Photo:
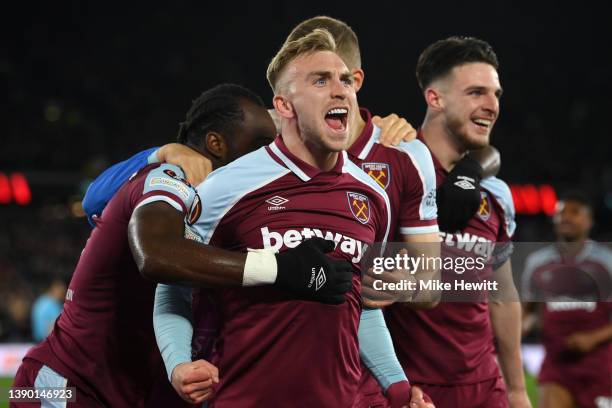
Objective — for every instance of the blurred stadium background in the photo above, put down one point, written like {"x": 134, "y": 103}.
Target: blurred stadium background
{"x": 86, "y": 85}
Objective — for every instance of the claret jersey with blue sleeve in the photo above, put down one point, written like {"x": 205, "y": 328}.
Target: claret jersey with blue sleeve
{"x": 103, "y": 342}
{"x": 279, "y": 348}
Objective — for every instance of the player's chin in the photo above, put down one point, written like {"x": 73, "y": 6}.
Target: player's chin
{"x": 337, "y": 141}
{"x": 477, "y": 140}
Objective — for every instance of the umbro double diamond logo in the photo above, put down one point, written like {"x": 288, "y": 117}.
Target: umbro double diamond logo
{"x": 465, "y": 183}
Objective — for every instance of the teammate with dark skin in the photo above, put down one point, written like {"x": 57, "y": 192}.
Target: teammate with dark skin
{"x": 157, "y": 228}
{"x": 156, "y": 231}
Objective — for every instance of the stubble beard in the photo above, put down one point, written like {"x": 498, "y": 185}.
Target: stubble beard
{"x": 457, "y": 129}
{"x": 317, "y": 140}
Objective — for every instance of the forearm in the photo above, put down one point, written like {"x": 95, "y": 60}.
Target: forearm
{"x": 172, "y": 324}
{"x": 424, "y": 246}
{"x": 602, "y": 335}
{"x": 505, "y": 311}
{"x": 162, "y": 254}
{"x": 376, "y": 349}
{"x": 179, "y": 260}
{"x": 506, "y": 321}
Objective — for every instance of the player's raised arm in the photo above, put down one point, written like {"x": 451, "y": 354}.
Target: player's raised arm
{"x": 194, "y": 164}
{"x": 104, "y": 187}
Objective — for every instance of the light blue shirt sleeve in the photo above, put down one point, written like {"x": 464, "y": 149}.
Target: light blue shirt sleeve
{"x": 44, "y": 313}
{"x": 376, "y": 349}
{"x": 173, "y": 325}
{"x": 104, "y": 187}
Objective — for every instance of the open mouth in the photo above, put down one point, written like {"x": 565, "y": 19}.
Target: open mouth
{"x": 336, "y": 119}
{"x": 484, "y": 124}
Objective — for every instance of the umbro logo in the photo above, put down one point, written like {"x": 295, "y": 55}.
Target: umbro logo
{"x": 465, "y": 183}
{"x": 319, "y": 279}
{"x": 276, "y": 203}
{"x": 276, "y": 200}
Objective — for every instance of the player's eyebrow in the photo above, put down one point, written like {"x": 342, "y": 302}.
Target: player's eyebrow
{"x": 498, "y": 92}
{"x": 344, "y": 76}
{"x": 347, "y": 76}
{"x": 320, "y": 74}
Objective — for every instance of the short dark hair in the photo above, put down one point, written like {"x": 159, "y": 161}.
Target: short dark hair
{"x": 217, "y": 109}
{"x": 577, "y": 196}
{"x": 442, "y": 56}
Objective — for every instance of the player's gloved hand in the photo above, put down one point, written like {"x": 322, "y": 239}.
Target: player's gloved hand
{"x": 306, "y": 271}
{"x": 489, "y": 159}
{"x": 194, "y": 381}
{"x": 458, "y": 197}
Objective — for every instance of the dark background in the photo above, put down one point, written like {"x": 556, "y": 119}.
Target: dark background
{"x": 86, "y": 85}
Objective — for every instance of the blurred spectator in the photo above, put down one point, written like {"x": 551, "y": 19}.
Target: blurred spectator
{"x": 36, "y": 243}
{"x": 47, "y": 308}
{"x": 16, "y": 327}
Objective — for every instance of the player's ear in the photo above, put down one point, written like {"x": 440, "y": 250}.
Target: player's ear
{"x": 358, "y": 76}
{"x": 434, "y": 99}
{"x": 216, "y": 145}
{"x": 283, "y": 106}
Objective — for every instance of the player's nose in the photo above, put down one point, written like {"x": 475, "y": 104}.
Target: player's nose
{"x": 491, "y": 104}
{"x": 338, "y": 89}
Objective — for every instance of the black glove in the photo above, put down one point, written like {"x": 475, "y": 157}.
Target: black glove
{"x": 306, "y": 271}
{"x": 458, "y": 197}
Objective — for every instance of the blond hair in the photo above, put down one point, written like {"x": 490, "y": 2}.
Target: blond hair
{"x": 347, "y": 44}
{"x": 316, "y": 40}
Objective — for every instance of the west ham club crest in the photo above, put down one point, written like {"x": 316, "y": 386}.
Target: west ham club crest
{"x": 484, "y": 208}
{"x": 360, "y": 206}
{"x": 380, "y": 172}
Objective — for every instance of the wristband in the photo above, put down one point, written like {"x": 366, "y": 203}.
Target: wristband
{"x": 260, "y": 268}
